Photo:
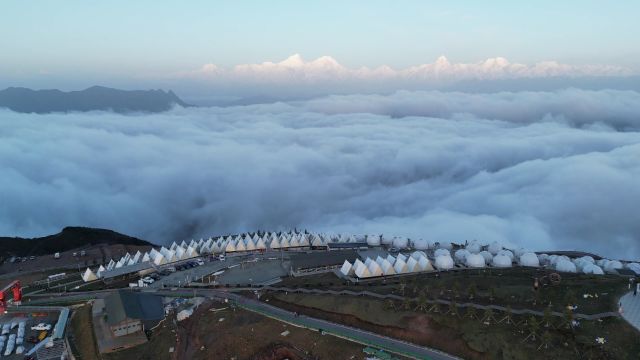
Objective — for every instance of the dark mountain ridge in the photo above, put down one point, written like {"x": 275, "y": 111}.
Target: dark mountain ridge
{"x": 95, "y": 98}
{"x": 69, "y": 238}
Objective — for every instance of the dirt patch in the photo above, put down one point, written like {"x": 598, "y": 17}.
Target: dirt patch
{"x": 420, "y": 329}
{"x": 246, "y": 335}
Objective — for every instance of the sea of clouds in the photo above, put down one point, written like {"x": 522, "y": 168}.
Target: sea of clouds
{"x": 543, "y": 170}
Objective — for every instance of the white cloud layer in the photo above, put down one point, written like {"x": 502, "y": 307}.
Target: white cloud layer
{"x": 543, "y": 170}
{"x": 295, "y": 69}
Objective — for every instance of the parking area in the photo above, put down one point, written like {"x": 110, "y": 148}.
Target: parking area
{"x": 16, "y": 342}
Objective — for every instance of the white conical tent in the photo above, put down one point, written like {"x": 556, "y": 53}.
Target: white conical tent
{"x": 347, "y": 269}
{"x": 100, "y": 271}
{"x": 444, "y": 262}
{"x": 137, "y": 257}
{"x": 317, "y": 241}
{"x": 375, "y": 269}
{"x": 153, "y": 253}
{"x": 192, "y": 252}
{"x": 284, "y": 242}
{"x": 119, "y": 264}
{"x": 183, "y": 244}
{"x": 164, "y": 251}
{"x": 171, "y": 256}
{"x": 294, "y": 242}
{"x": 240, "y": 246}
{"x": 146, "y": 257}
{"x": 173, "y": 246}
{"x": 368, "y": 261}
{"x": 304, "y": 240}
{"x": 111, "y": 265}
{"x": 180, "y": 253}
{"x": 412, "y": 265}
{"x": 400, "y": 267}
{"x": 275, "y": 243}
{"x": 391, "y": 259}
{"x": 88, "y": 275}
{"x": 250, "y": 245}
{"x": 379, "y": 260}
{"x": 159, "y": 260}
{"x": 362, "y": 271}
{"x": 401, "y": 257}
{"x": 418, "y": 254}
{"x": 231, "y": 246}
{"x": 260, "y": 244}
{"x": 387, "y": 268}
{"x": 424, "y": 264}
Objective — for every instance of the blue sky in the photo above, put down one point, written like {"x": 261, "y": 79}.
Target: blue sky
{"x": 126, "y": 38}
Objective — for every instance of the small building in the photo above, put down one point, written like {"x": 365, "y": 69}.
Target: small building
{"x": 129, "y": 312}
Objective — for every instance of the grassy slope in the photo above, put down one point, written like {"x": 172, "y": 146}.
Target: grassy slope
{"x": 69, "y": 238}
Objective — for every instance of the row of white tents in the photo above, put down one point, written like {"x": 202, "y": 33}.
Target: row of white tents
{"x": 400, "y": 264}
{"x": 473, "y": 254}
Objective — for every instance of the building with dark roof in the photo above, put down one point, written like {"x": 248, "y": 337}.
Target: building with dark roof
{"x": 129, "y": 312}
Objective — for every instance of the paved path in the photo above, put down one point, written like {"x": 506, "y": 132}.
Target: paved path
{"x": 631, "y": 309}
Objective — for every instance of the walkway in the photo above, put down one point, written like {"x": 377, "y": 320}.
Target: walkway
{"x": 631, "y": 309}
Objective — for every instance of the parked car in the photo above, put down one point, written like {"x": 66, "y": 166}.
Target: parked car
{"x": 147, "y": 280}
{"x": 41, "y": 327}
{"x": 221, "y": 257}
{"x": 200, "y": 262}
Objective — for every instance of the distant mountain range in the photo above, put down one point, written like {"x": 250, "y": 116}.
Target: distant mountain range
{"x": 69, "y": 238}
{"x": 92, "y": 99}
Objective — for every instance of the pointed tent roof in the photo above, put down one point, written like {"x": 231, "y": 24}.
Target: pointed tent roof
{"x": 146, "y": 257}
{"x": 250, "y": 245}
{"x": 400, "y": 267}
{"x": 317, "y": 241}
{"x": 173, "y": 246}
{"x": 387, "y": 268}
{"x": 391, "y": 259}
{"x": 240, "y": 246}
{"x": 402, "y": 257}
{"x": 347, "y": 269}
{"x": 183, "y": 244}
{"x": 171, "y": 256}
{"x": 424, "y": 264}
{"x": 111, "y": 265}
{"x": 284, "y": 243}
{"x": 192, "y": 252}
{"x": 294, "y": 241}
{"x": 379, "y": 260}
{"x": 375, "y": 269}
{"x": 89, "y": 276}
{"x": 367, "y": 262}
{"x": 260, "y": 244}
{"x": 159, "y": 260}
{"x": 101, "y": 270}
{"x": 179, "y": 253}
{"x": 361, "y": 270}
{"x": 275, "y": 243}
{"x": 231, "y": 246}
{"x": 412, "y": 265}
